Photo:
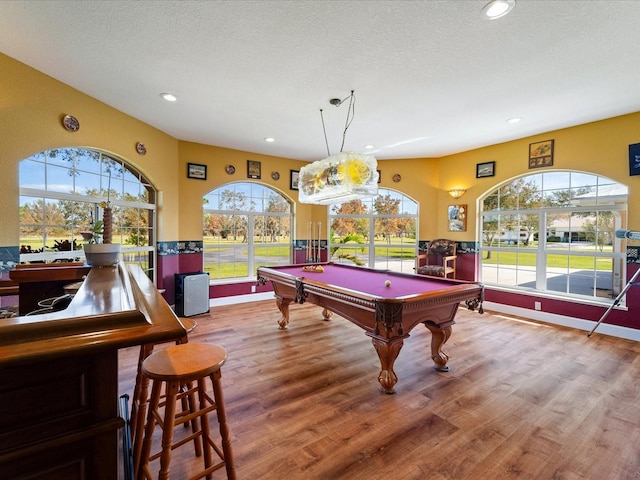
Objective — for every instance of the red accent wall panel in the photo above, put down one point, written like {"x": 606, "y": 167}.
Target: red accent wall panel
{"x": 466, "y": 267}
{"x": 167, "y": 266}
{"x": 574, "y": 309}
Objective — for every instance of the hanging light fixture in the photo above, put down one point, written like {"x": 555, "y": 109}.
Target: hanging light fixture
{"x": 341, "y": 177}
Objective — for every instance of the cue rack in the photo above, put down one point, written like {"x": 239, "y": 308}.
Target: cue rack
{"x": 313, "y": 242}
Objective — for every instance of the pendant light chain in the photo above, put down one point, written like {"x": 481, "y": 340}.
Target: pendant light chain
{"x": 325, "y": 133}
{"x": 350, "y": 114}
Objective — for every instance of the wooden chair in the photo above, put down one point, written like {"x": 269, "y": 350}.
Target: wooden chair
{"x": 439, "y": 260}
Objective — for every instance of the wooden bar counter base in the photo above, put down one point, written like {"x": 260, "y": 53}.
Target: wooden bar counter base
{"x": 59, "y": 376}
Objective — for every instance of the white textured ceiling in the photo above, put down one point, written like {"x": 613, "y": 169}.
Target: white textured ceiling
{"x": 431, "y": 77}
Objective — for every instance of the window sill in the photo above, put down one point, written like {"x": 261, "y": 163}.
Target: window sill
{"x": 604, "y": 302}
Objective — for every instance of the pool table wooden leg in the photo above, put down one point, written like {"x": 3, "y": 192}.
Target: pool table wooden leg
{"x": 439, "y": 336}
{"x": 327, "y": 314}
{"x": 283, "y": 306}
{"x": 387, "y": 352}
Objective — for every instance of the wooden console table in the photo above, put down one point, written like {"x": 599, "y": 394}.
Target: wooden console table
{"x": 38, "y": 281}
{"x": 59, "y": 376}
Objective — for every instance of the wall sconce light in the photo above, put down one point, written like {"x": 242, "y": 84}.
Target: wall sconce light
{"x": 457, "y": 192}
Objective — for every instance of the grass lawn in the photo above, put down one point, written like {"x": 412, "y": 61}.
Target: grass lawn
{"x": 527, "y": 258}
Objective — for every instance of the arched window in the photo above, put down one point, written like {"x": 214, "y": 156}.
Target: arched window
{"x": 379, "y": 232}
{"x": 60, "y": 195}
{"x": 245, "y": 226}
{"x": 554, "y": 232}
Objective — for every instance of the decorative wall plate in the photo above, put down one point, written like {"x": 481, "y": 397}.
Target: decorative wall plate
{"x": 141, "y": 149}
{"x": 275, "y": 175}
{"x": 230, "y": 169}
{"x": 71, "y": 123}
{"x": 397, "y": 177}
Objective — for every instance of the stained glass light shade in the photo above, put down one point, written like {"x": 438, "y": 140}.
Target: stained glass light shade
{"x": 338, "y": 178}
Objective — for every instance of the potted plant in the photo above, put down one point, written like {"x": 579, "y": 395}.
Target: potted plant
{"x": 103, "y": 254}
{"x": 339, "y": 252}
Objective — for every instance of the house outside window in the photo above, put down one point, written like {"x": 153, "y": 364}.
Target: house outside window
{"x": 553, "y": 233}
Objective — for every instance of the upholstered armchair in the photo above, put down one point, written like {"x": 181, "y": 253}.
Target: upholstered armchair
{"x": 439, "y": 260}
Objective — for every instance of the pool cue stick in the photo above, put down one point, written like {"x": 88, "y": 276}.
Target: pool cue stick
{"x": 615, "y": 303}
{"x": 308, "y": 259}
{"x": 318, "y": 244}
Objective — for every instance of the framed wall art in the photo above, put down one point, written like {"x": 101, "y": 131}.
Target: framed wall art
{"x": 197, "y": 171}
{"x": 457, "y": 216}
{"x": 634, "y": 159}
{"x": 486, "y": 169}
{"x": 541, "y": 154}
{"x": 254, "y": 169}
{"x": 294, "y": 180}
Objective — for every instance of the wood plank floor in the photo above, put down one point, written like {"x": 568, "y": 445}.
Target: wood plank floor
{"x": 523, "y": 400}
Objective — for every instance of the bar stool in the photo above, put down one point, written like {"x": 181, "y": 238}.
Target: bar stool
{"x": 140, "y": 399}
{"x": 173, "y": 367}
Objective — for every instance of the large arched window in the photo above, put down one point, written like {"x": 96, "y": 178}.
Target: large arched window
{"x": 554, "y": 233}
{"x": 379, "y": 232}
{"x": 60, "y": 195}
{"x": 246, "y": 225}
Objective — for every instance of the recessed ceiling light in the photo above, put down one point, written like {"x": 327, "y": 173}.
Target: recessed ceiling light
{"x": 514, "y": 120}
{"x": 369, "y": 147}
{"x": 169, "y": 97}
{"x": 269, "y": 139}
{"x": 497, "y": 8}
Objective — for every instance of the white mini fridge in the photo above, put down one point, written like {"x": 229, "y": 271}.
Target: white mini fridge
{"x": 192, "y": 293}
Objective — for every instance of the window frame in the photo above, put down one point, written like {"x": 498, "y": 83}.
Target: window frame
{"x": 546, "y": 249}
{"x": 371, "y": 246}
{"x": 252, "y": 215}
{"x": 108, "y": 191}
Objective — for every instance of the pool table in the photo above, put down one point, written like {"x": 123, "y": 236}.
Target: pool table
{"x": 385, "y": 304}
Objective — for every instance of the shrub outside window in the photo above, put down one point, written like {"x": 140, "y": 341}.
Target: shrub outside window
{"x": 378, "y": 232}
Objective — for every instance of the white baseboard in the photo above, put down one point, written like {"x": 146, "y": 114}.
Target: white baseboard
{"x": 235, "y": 299}
{"x": 586, "y": 325}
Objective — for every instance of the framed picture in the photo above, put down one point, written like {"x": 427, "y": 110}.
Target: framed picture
{"x": 487, "y": 169}
{"x": 295, "y": 178}
{"x": 541, "y": 154}
{"x": 634, "y": 159}
{"x": 254, "y": 169}
{"x": 195, "y": 170}
{"x": 457, "y": 216}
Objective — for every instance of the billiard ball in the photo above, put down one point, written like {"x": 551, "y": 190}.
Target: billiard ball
{"x": 387, "y": 283}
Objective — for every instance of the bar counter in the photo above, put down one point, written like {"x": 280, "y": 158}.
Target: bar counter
{"x": 59, "y": 376}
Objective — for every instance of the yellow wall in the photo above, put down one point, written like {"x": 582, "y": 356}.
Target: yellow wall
{"x": 600, "y": 147}
{"x": 31, "y": 109}
{"x": 422, "y": 186}
{"x": 216, "y": 159}
{"x": 32, "y": 105}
